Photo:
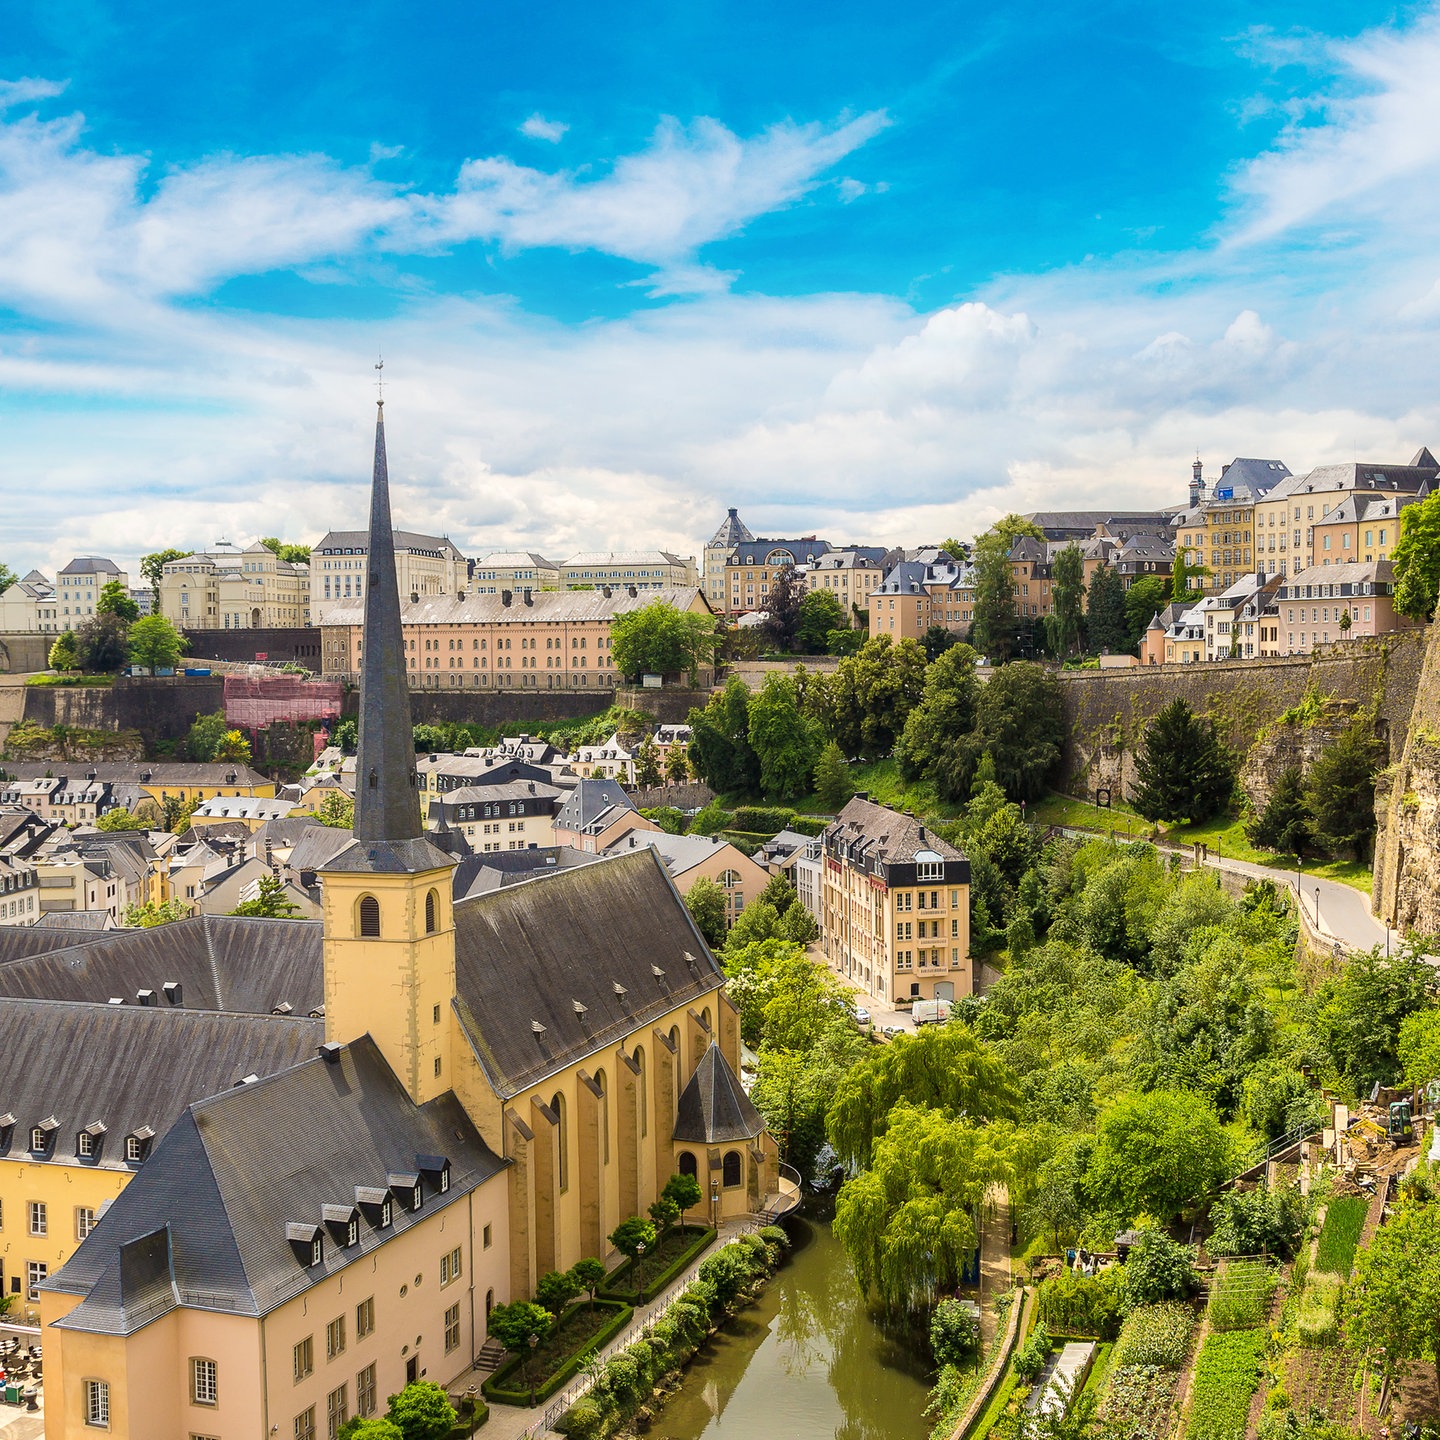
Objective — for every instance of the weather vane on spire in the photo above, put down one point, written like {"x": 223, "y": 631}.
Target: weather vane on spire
{"x": 379, "y": 368}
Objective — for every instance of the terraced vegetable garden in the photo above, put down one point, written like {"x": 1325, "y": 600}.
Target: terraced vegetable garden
{"x": 1344, "y": 1220}
{"x": 1225, "y": 1376}
{"x": 1148, "y": 1357}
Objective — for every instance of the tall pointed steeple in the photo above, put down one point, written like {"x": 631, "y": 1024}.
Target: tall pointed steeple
{"x": 387, "y": 803}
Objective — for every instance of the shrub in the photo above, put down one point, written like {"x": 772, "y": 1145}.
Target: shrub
{"x": 583, "y": 1421}
{"x": 1344, "y": 1220}
{"x": 954, "y": 1332}
{"x": 1156, "y": 1335}
{"x": 1031, "y": 1357}
{"x": 1240, "y": 1299}
{"x": 1158, "y": 1268}
{"x": 1082, "y": 1304}
{"x": 761, "y": 819}
{"x": 1263, "y": 1219}
{"x": 1317, "y": 1318}
{"x": 774, "y": 1235}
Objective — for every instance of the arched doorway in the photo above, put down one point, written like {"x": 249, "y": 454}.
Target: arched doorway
{"x": 255, "y": 619}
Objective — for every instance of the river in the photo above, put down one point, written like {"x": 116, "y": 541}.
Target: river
{"x": 807, "y": 1362}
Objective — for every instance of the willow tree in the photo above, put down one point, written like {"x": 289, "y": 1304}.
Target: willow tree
{"x": 908, "y": 1224}
{"x": 942, "y": 1068}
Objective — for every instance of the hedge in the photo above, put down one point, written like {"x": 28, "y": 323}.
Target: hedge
{"x": 614, "y": 1287}
{"x": 762, "y": 819}
{"x": 496, "y": 1389}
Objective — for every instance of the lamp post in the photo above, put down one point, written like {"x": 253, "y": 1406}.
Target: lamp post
{"x": 533, "y": 1341}
{"x": 473, "y": 1396}
{"x": 639, "y": 1269}
{"x": 714, "y": 1205}
{"x": 1317, "y": 905}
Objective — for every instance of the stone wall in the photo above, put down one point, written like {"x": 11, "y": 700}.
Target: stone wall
{"x": 1106, "y": 711}
{"x": 691, "y": 795}
{"x": 299, "y": 643}
{"x": 24, "y": 653}
{"x": 159, "y": 709}
{"x": 1407, "y": 806}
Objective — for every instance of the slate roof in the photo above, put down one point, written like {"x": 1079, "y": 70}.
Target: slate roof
{"x": 681, "y": 853}
{"x": 754, "y": 552}
{"x": 891, "y": 837}
{"x": 731, "y": 532}
{"x": 205, "y": 1221}
{"x": 589, "y": 801}
{"x": 128, "y": 1066}
{"x": 1357, "y": 475}
{"x": 317, "y": 846}
{"x": 482, "y": 873}
{"x": 222, "y": 962}
{"x": 1247, "y": 477}
{"x": 147, "y": 772}
{"x": 525, "y": 954}
{"x": 81, "y": 923}
{"x": 713, "y": 1108}
{"x": 91, "y": 565}
{"x": 409, "y": 540}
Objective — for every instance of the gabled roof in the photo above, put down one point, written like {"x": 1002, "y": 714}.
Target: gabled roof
{"x": 889, "y": 835}
{"x": 128, "y": 1066}
{"x": 214, "y": 958}
{"x": 681, "y": 853}
{"x": 713, "y": 1108}
{"x": 526, "y": 954}
{"x": 589, "y": 800}
{"x": 207, "y": 1220}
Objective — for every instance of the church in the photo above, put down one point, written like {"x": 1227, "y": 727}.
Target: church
{"x": 483, "y": 1092}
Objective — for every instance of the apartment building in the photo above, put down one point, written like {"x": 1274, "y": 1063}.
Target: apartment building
{"x": 917, "y": 594}
{"x": 753, "y": 566}
{"x": 519, "y": 815}
{"x": 850, "y": 575}
{"x": 1327, "y": 603}
{"x": 19, "y": 891}
{"x": 232, "y": 589}
{"x": 30, "y": 604}
{"x": 425, "y": 565}
{"x": 1217, "y": 529}
{"x": 537, "y": 640}
{"x": 1241, "y": 623}
{"x": 690, "y": 858}
{"x": 513, "y": 570}
{"x": 732, "y": 532}
{"x": 157, "y": 780}
{"x": 647, "y": 570}
{"x": 33, "y": 603}
{"x": 895, "y": 906}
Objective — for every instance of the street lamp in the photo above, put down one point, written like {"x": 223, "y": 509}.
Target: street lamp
{"x": 530, "y": 1366}
{"x": 714, "y": 1204}
{"x": 1317, "y": 904}
{"x": 639, "y": 1267}
{"x": 473, "y": 1396}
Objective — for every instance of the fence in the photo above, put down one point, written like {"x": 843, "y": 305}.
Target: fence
{"x": 636, "y": 1330}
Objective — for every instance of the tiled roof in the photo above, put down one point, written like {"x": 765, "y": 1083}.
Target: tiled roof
{"x": 409, "y": 540}
{"x": 892, "y": 837}
{"x": 713, "y": 1108}
{"x": 545, "y": 605}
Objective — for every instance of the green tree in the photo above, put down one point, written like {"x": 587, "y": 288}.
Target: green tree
{"x": 720, "y": 752}
{"x": 513, "y": 1325}
{"x": 781, "y": 608}
{"x": 872, "y": 694}
{"x": 705, "y": 901}
{"x": 152, "y": 568}
{"x": 677, "y": 765}
{"x": 588, "y": 1275}
{"x": 555, "y": 1290}
{"x": 337, "y": 811}
{"x": 1157, "y": 1154}
{"x": 955, "y": 549}
{"x": 996, "y": 621}
{"x": 820, "y": 613}
{"x": 270, "y": 903}
{"x": 937, "y": 640}
{"x": 1360, "y": 1015}
{"x": 944, "y": 1067}
{"x": 683, "y": 1191}
{"x": 65, "y": 652}
{"x": 659, "y": 639}
{"x": 1145, "y": 598}
{"x": 115, "y": 600}
{"x": 647, "y": 764}
{"x": 785, "y": 741}
{"x": 833, "y": 785}
{"x": 634, "y": 1238}
{"x": 1417, "y": 559}
{"x": 374, "y": 1427}
{"x": 1284, "y": 823}
{"x": 1181, "y": 575}
{"x": 284, "y": 550}
{"x": 102, "y": 644}
{"x": 122, "y": 819}
{"x": 938, "y": 742}
{"x": 1340, "y": 791}
{"x": 954, "y": 1333}
{"x": 233, "y": 746}
{"x": 1067, "y": 591}
{"x": 422, "y": 1412}
{"x": 1418, "y": 1047}
{"x": 153, "y": 913}
{"x": 155, "y": 643}
{"x": 1105, "y": 613}
{"x": 1158, "y": 1268}
{"x": 7, "y": 577}
{"x": 1020, "y": 725}
{"x": 347, "y": 736}
{"x": 1394, "y": 1306}
{"x": 848, "y": 642}
{"x": 1182, "y": 771}
{"x": 205, "y": 735}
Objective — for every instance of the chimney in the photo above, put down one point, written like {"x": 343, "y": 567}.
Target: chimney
{"x": 330, "y": 1052}
{"x": 506, "y": 597}
{"x": 529, "y": 599}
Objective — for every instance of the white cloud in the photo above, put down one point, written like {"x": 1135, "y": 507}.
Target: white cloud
{"x": 537, "y": 127}
{"x": 27, "y": 90}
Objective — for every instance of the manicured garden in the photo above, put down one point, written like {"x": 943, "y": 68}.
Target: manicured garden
{"x": 1240, "y": 1297}
{"x": 1225, "y": 1377}
{"x": 1344, "y": 1220}
{"x": 640, "y": 1280}
{"x": 580, "y": 1330}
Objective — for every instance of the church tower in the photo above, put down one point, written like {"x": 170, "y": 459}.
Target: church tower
{"x": 389, "y": 924}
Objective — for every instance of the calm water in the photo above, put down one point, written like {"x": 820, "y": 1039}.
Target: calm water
{"x": 806, "y": 1363}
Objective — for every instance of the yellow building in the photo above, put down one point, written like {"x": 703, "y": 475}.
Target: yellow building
{"x": 159, "y": 780}
{"x": 230, "y": 589}
{"x": 503, "y": 1081}
{"x": 895, "y": 907}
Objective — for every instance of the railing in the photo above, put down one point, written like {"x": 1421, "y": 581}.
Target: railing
{"x": 637, "y": 1329}
{"x": 1263, "y": 1154}
{"x": 787, "y": 1199}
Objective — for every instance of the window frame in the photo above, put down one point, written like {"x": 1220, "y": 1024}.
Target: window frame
{"x": 97, "y": 1403}
{"x": 197, "y": 1397}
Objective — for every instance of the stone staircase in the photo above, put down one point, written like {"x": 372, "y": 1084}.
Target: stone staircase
{"x": 491, "y": 1357}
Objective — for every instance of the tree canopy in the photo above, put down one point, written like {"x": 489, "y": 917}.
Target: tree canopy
{"x": 820, "y": 613}
{"x": 996, "y": 622}
{"x": 115, "y": 600}
{"x": 1182, "y": 770}
{"x": 786, "y": 741}
{"x": 155, "y": 643}
{"x": 285, "y": 550}
{"x": 660, "y": 639}
{"x": 1416, "y": 558}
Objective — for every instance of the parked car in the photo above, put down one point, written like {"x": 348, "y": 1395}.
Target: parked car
{"x": 891, "y": 1031}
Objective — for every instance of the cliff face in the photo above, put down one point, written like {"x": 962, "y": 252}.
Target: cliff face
{"x": 1407, "y": 810}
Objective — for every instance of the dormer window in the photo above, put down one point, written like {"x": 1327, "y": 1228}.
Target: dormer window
{"x": 137, "y": 1144}
{"x": 41, "y": 1135}
{"x": 343, "y": 1223}
{"x": 352, "y": 1231}
{"x": 317, "y": 1250}
{"x": 307, "y": 1241}
{"x": 436, "y": 1169}
{"x": 387, "y": 1213}
{"x": 37, "y": 1139}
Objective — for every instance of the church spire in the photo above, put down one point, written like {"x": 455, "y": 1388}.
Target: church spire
{"x": 387, "y": 803}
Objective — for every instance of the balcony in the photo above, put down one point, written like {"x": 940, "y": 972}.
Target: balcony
{"x": 786, "y": 1199}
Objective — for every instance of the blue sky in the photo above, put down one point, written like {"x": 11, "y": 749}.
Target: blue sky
{"x": 879, "y": 278}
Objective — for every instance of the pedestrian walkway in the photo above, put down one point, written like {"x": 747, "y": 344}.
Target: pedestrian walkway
{"x": 995, "y": 1278}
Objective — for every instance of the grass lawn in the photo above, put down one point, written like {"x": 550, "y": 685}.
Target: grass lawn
{"x": 1224, "y": 834}
{"x": 882, "y": 780}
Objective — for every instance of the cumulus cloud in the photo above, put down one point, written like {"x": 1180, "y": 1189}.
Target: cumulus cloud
{"x": 537, "y": 127}
{"x": 28, "y": 90}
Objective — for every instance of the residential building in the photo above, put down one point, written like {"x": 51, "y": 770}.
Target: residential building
{"x": 1063, "y": 526}
{"x": 30, "y": 604}
{"x": 232, "y": 589}
{"x": 19, "y": 891}
{"x": 850, "y": 575}
{"x": 79, "y": 585}
{"x": 502, "y": 1081}
{"x": 918, "y": 594}
{"x": 612, "y": 759}
{"x": 646, "y": 570}
{"x": 1286, "y": 519}
{"x": 252, "y": 811}
{"x": 732, "y": 532}
{"x": 424, "y": 565}
{"x": 1176, "y": 636}
{"x": 690, "y": 858}
{"x": 597, "y": 812}
{"x": 546, "y": 640}
{"x": 68, "y": 799}
{"x": 517, "y": 816}
{"x": 1240, "y": 620}
{"x": 895, "y": 906}
{"x": 159, "y": 780}
{"x": 799, "y": 858}
{"x": 1217, "y": 529}
{"x": 513, "y": 570}
{"x": 1327, "y": 603}
{"x": 441, "y": 774}
{"x": 753, "y": 566}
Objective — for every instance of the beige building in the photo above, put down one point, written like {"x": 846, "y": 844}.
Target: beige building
{"x": 19, "y": 892}
{"x": 647, "y": 570}
{"x": 159, "y": 780}
{"x": 895, "y": 907}
{"x": 1328, "y": 603}
{"x": 752, "y": 566}
{"x": 425, "y": 565}
{"x": 1218, "y": 528}
{"x": 595, "y": 813}
{"x": 918, "y": 594}
{"x": 513, "y": 570}
{"x": 30, "y": 604}
{"x": 850, "y": 575}
{"x": 689, "y": 858}
{"x": 519, "y": 815}
{"x": 229, "y": 589}
{"x": 732, "y": 532}
{"x": 33, "y": 603}
{"x": 538, "y": 640}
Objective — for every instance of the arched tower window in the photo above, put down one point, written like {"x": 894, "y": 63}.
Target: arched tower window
{"x": 432, "y": 913}
{"x": 369, "y": 916}
{"x": 731, "y": 1171}
{"x": 687, "y": 1164}
{"x": 557, "y": 1104}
